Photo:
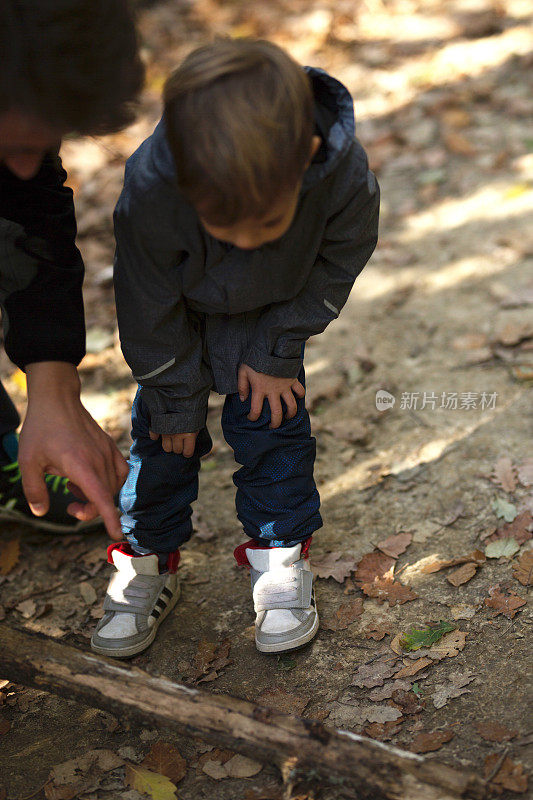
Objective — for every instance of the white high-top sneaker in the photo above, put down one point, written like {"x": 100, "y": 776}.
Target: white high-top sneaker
{"x": 284, "y": 599}
{"x": 138, "y": 599}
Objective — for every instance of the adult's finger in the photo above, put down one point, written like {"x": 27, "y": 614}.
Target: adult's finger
{"x": 298, "y": 389}
{"x": 121, "y": 467}
{"x": 276, "y": 412}
{"x": 167, "y": 443}
{"x": 290, "y": 402}
{"x": 83, "y": 511}
{"x": 34, "y": 487}
{"x": 243, "y": 384}
{"x": 154, "y": 436}
{"x": 177, "y": 444}
{"x": 98, "y": 495}
{"x": 256, "y": 406}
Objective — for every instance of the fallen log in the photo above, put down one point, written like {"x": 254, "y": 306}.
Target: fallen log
{"x": 306, "y": 751}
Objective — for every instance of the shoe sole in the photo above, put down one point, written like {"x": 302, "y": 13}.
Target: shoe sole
{"x": 48, "y": 527}
{"x": 292, "y": 645}
{"x": 127, "y": 652}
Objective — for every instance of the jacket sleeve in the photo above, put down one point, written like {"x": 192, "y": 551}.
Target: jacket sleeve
{"x": 349, "y": 240}
{"x": 43, "y": 304}
{"x": 160, "y": 341}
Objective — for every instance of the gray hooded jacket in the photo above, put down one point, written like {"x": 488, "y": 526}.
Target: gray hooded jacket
{"x": 191, "y": 308}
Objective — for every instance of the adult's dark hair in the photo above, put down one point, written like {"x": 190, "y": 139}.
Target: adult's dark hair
{"x": 74, "y": 63}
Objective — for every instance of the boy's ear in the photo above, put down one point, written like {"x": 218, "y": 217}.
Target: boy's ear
{"x": 316, "y": 141}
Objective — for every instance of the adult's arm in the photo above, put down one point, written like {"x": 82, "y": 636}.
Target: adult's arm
{"x": 45, "y": 336}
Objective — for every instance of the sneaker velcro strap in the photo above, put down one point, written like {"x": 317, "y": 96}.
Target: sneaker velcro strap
{"x": 283, "y": 587}
{"x": 133, "y": 605}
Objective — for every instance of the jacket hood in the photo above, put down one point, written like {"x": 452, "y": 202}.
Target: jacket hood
{"x": 334, "y": 121}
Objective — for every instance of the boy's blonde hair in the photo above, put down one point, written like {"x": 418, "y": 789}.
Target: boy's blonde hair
{"x": 239, "y": 117}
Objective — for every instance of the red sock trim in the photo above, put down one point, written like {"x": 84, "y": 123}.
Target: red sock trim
{"x": 124, "y": 547}
{"x": 173, "y": 561}
{"x": 242, "y": 559}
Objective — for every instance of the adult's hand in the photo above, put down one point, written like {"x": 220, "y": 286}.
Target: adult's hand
{"x": 60, "y": 437}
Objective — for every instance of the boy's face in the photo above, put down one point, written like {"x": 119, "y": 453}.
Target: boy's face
{"x": 249, "y": 234}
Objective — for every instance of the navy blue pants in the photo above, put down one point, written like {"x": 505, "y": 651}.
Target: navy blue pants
{"x": 277, "y": 500}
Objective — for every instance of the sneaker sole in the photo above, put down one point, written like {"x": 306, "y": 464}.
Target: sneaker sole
{"x": 127, "y": 652}
{"x": 293, "y": 645}
{"x": 48, "y": 527}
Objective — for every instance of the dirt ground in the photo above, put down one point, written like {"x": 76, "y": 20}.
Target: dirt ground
{"x": 444, "y": 109}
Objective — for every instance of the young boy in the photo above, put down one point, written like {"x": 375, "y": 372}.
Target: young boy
{"x": 244, "y": 220}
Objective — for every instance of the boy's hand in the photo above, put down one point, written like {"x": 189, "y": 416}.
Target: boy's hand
{"x": 273, "y": 389}
{"x": 180, "y": 443}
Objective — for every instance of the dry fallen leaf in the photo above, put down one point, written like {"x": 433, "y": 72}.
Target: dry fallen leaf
{"x": 210, "y": 658}
{"x": 344, "y": 615}
{"x": 493, "y": 731}
{"x": 476, "y": 556}
{"x": 386, "y": 691}
{"x": 281, "y": 700}
{"x": 394, "y": 592}
{"x": 88, "y": 593}
{"x": 378, "y": 630}
{"x": 463, "y": 574}
{"x": 242, "y": 767}
{"x": 525, "y": 472}
{"x": 414, "y": 667}
{"x": 502, "y": 548}
{"x": 373, "y": 566}
{"x": 373, "y": 674}
{"x": 333, "y": 565}
{"x": 454, "y": 687}
{"x": 69, "y": 779}
{"x": 510, "y": 775}
{"x": 166, "y": 759}
{"x": 504, "y": 474}
{"x": 520, "y": 529}
{"x": 383, "y": 731}
{"x": 523, "y": 569}
{"x": 395, "y": 545}
{"x": 428, "y": 742}
{"x": 27, "y": 608}
{"x": 348, "y": 712}
{"x": 9, "y": 555}
{"x": 408, "y": 702}
{"x": 508, "y": 605}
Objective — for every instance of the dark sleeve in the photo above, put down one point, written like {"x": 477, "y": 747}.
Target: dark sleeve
{"x": 43, "y": 320}
{"x": 349, "y": 240}
{"x": 159, "y": 340}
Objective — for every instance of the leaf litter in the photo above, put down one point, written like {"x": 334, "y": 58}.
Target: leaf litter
{"x": 333, "y": 565}
{"x": 507, "y": 604}
{"x": 523, "y": 569}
